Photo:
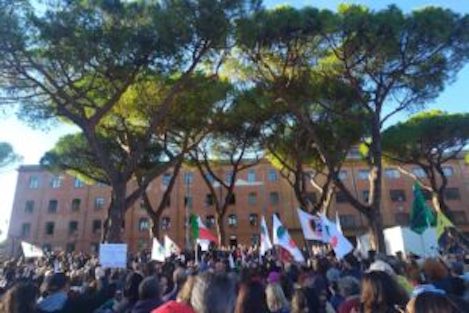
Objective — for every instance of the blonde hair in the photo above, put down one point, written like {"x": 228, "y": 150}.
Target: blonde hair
{"x": 276, "y": 299}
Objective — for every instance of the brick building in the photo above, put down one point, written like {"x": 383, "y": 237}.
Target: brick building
{"x": 59, "y": 211}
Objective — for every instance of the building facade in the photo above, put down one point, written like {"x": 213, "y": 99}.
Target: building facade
{"x": 62, "y": 212}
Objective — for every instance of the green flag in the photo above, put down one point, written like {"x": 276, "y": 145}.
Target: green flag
{"x": 421, "y": 216}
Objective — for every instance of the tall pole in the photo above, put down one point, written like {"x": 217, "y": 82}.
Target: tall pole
{"x": 188, "y": 208}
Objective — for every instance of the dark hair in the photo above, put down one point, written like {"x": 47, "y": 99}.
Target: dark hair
{"x": 304, "y": 300}
{"x": 149, "y": 288}
{"x": 430, "y": 302}
{"x": 213, "y": 293}
{"x": 132, "y": 282}
{"x": 380, "y": 293}
{"x": 21, "y": 299}
{"x": 251, "y": 298}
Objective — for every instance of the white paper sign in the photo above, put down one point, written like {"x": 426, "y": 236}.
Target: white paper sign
{"x": 113, "y": 255}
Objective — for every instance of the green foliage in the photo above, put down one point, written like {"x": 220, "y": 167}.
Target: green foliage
{"x": 432, "y": 134}
{"x": 7, "y": 155}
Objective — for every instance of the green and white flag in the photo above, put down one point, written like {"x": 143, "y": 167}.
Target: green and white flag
{"x": 31, "y": 251}
{"x": 157, "y": 251}
{"x": 282, "y": 238}
{"x": 265, "y": 243}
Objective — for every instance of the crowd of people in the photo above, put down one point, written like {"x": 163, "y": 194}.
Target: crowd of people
{"x": 236, "y": 281}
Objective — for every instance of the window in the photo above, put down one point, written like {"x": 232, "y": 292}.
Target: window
{"x": 397, "y": 195}
{"x": 209, "y": 200}
{"x": 188, "y": 178}
{"x": 166, "y": 179}
{"x": 340, "y": 197}
{"x": 76, "y": 205}
{"x": 94, "y": 247}
{"x": 232, "y": 199}
{"x": 33, "y": 182}
{"x": 53, "y": 204}
{"x": 228, "y": 177}
{"x": 165, "y": 223}
{"x": 274, "y": 198}
{"x": 25, "y": 230}
{"x": 210, "y": 221}
{"x": 354, "y": 153}
{"x": 78, "y": 183}
{"x": 251, "y": 176}
{"x": 347, "y": 221}
{"x": 272, "y": 175}
{"x": 72, "y": 227}
{"x": 452, "y": 194}
{"x": 100, "y": 185}
{"x": 29, "y": 207}
{"x": 458, "y": 217}
{"x": 448, "y": 171}
{"x": 143, "y": 224}
{"x": 70, "y": 247}
{"x": 420, "y": 173}
{"x": 343, "y": 175}
{"x": 232, "y": 220}
{"x": 402, "y": 218}
{"x": 209, "y": 177}
{"x": 392, "y": 173}
{"x": 99, "y": 203}
{"x": 366, "y": 195}
{"x": 50, "y": 227}
{"x": 252, "y": 198}
{"x": 253, "y": 219}
{"x": 188, "y": 201}
{"x": 255, "y": 239}
{"x": 311, "y": 197}
{"x": 363, "y": 174}
{"x": 96, "y": 226}
{"x": 56, "y": 182}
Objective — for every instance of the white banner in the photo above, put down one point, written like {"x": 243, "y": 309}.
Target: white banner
{"x": 31, "y": 251}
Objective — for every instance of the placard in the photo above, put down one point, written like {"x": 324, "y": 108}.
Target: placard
{"x": 113, "y": 255}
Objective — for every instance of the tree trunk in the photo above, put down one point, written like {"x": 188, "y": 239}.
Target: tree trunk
{"x": 374, "y": 217}
{"x": 116, "y": 214}
{"x": 439, "y": 203}
{"x": 220, "y": 229}
{"x": 155, "y": 225}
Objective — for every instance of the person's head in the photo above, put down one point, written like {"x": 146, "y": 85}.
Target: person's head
{"x": 213, "y": 293}
{"x": 184, "y": 295}
{"x": 276, "y": 299}
{"x": 220, "y": 267}
{"x": 434, "y": 270}
{"x": 20, "y": 299}
{"x": 132, "y": 283}
{"x": 299, "y": 302}
{"x": 251, "y": 298}
{"x": 163, "y": 282}
{"x": 430, "y": 302}
{"x": 348, "y": 286}
{"x": 149, "y": 288}
{"x": 57, "y": 282}
{"x": 179, "y": 276}
{"x": 380, "y": 292}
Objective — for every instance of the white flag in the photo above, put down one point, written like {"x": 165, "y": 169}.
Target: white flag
{"x": 265, "y": 244}
{"x": 312, "y": 226}
{"x": 282, "y": 238}
{"x": 231, "y": 261}
{"x": 337, "y": 222}
{"x": 31, "y": 251}
{"x": 170, "y": 247}
{"x": 157, "y": 251}
{"x": 204, "y": 244}
{"x": 337, "y": 240}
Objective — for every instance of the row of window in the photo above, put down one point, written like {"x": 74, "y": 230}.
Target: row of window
{"x": 56, "y": 182}
{"x": 399, "y": 195}
{"x": 75, "y": 205}
{"x": 393, "y": 173}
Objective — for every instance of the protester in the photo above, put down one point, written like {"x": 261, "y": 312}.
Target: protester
{"x": 56, "y": 296}
{"x": 20, "y": 299}
{"x": 430, "y": 302}
{"x": 276, "y": 300}
{"x": 213, "y": 293}
{"x": 381, "y": 294}
{"x": 251, "y": 298}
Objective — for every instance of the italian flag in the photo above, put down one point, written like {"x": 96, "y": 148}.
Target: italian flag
{"x": 200, "y": 231}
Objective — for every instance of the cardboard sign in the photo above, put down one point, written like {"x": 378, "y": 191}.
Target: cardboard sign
{"x": 113, "y": 255}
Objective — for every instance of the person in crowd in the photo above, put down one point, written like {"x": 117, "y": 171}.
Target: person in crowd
{"x": 349, "y": 288}
{"x": 276, "y": 300}
{"x": 183, "y": 300}
{"x": 132, "y": 283}
{"x": 56, "y": 295}
{"x": 437, "y": 274}
{"x": 179, "y": 278}
{"x": 381, "y": 294}
{"x": 148, "y": 295}
{"x": 251, "y": 298}
{"x": 213, "y": 293}
{"x": 20, "y": 299}
{"x": 431, "y": 302}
